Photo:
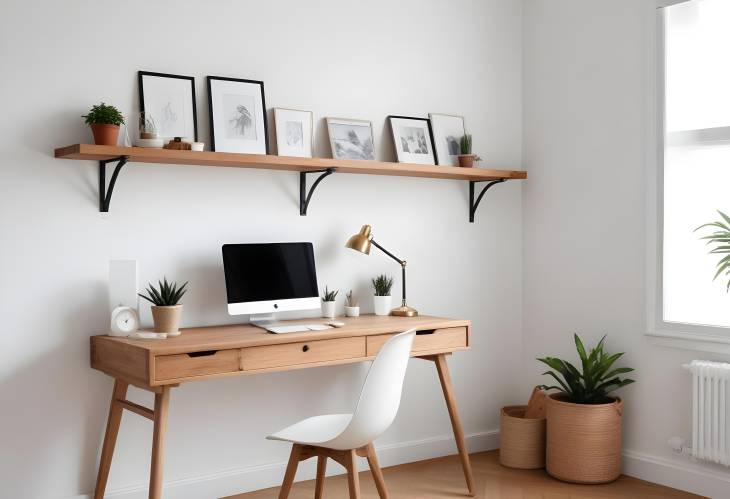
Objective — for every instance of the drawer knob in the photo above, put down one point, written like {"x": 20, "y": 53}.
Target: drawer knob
{"x": 305, "y": 348}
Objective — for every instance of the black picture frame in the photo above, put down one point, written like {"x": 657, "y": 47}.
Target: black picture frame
{"x": 140, "y": 79}
{"x": 260, "y": 83}
{"x": 428, "y": 125}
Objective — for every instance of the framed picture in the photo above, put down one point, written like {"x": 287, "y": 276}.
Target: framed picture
{"x": 170, "y": 99}
{"x": 237, "y": 115}
{"x": 447, "y": 132}
{"x": 294, "y": 132}
{"x": 351, "y": 139}
{"x": 413, "y": 140}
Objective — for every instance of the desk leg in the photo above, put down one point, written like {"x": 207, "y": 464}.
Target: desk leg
{"x": 448, "y": 389}
{"x": 110, "y": 437}
{"x": 162, "y": 401}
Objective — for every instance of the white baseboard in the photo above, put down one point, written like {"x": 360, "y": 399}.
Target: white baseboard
{"x": 238, "y": 480}
{"x": 682, "y": 474}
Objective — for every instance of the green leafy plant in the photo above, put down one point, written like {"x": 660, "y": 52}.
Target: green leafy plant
{"x": 329, "y": 295}
{"x": 721, "y": 239}
{"x": 351, "y": 300}
{"x": 166, "y": 295}
{"x": 597, "y": 379}
{"x": 102, "y": 114}
{"x": 382, "y": 285}
{"x": 465, "y": 144}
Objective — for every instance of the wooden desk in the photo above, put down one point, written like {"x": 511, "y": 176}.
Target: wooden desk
{"x": 214, "y": 352}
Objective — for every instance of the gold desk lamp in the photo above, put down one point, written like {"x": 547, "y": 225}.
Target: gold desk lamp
{"x": 361, "y": 242}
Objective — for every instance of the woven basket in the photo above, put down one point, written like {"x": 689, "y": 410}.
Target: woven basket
{"x": 522, "y": 441}
{"x": 583, "y": 441}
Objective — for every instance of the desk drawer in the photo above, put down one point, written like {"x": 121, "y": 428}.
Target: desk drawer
{"x": 304, "y": 352}
{"x": 186, "y": 365}
{"x": 435, "y": 340}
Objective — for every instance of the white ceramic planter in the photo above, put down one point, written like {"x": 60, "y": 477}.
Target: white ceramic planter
{"x": 352, "y": 311}
{"x": 381, "y": 304}
{"x": 328, "y": 309}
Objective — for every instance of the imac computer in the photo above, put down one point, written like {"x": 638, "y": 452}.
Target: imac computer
{"x": 262, "y": 279}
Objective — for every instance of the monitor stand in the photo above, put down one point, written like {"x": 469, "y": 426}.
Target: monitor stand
{"x": 263, "y": 320}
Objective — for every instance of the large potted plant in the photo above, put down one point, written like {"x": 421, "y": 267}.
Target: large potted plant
{"x": 583, "y": 420}
{"x": 104, "y": 121}
{"x": 166, "y": 308}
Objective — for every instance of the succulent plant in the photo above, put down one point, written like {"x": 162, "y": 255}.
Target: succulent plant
{"x": 166, "y": 295}
{"x": 382, "y": 285}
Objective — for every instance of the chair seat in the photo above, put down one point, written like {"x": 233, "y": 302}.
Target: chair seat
{"x": 316, "y": 430}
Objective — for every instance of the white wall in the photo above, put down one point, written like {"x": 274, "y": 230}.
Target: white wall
{"x": 586, "y": 94}
{"x": 351, "y": 59}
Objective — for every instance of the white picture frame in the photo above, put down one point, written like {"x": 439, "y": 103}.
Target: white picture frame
{"x": 351, "y": 139}
{"x": 413, "y": 140}
{"x": 237, "y": 115}
{"x": 294, "y": 132}
{"x": 447, "y": 132}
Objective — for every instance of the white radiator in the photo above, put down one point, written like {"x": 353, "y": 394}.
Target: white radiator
{"x": 710, "y": 411}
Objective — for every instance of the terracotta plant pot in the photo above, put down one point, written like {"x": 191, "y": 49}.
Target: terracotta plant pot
{"x": 583, "y": 440}
{"x": 522, "y": 440}
{"x": 105, "y": 135}
{"x": 466, "y": 160}
{"x": 167, "y": 319}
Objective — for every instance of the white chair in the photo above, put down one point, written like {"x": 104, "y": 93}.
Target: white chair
{"x": 343, "y": 437}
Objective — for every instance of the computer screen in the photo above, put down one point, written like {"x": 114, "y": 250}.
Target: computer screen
{"x": 268, "y": 277}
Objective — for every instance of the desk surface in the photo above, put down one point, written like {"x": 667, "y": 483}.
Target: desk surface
{"x": 245, "y": 335}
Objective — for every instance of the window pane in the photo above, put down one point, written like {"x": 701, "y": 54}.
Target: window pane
{"x": 696, "y": 183}
{"x": 697, "y": 69}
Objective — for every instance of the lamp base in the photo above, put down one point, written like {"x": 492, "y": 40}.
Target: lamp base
{"x": 404, "y": 311}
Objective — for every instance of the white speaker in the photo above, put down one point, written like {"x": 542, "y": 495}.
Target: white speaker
{"x": 123, "y": 284}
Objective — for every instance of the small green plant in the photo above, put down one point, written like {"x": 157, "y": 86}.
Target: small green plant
{"x": 382, "y": 285}
{"x": 597, "y": 379}
{"x": 721, "y": 239}
{"x": 166, "y": 295}
{"x": 465, "y": 144}
{"x": 350, "y": 300}
{"x": 101, "y": 114}
{"x": 329, "y": 295}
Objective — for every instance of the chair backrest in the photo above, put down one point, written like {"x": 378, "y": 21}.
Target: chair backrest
{"x": 380, "y": 395}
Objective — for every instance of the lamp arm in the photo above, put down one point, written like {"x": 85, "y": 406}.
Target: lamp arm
{"x": 402, "y": 262}
{"x": 402, "y": 265}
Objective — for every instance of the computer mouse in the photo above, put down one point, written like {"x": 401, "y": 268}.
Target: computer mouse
{"x": 335, "y": 324}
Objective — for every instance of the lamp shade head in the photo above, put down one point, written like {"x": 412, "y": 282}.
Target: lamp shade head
{"x": 360, "y": 241}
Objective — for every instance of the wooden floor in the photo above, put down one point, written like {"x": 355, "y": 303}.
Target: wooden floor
{"x": 443, "y": 478}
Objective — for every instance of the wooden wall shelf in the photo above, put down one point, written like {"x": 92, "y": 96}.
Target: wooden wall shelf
{"x": 326, "y": 166}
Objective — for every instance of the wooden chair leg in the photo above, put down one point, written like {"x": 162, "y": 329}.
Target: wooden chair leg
{"x": 162, "y": 404}
{"x": 291, "y": 471}
{"x": 321, "y": 469}
{"x": 448, "y": 389}
{"x": 110, "y": 437}
{"x": 376, "y": 471}
{"x": 353, "y": 481}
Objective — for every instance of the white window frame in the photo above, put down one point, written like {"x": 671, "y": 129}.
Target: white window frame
{"x": 659, "y": 331}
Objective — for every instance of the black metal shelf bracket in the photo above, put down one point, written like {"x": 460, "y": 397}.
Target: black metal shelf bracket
{"x": 474, "y": 204}
{"x": 105, "y": 193}
{"x": 304, "y": 196}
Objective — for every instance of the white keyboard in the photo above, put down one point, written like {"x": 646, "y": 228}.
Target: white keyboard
{"x": 297, "y": 328}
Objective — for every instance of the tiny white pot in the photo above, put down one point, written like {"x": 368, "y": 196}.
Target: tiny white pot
{"x": 328, "y": 309}
{"x": 382, "y": 305}
{"x": 352, "y": 311}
